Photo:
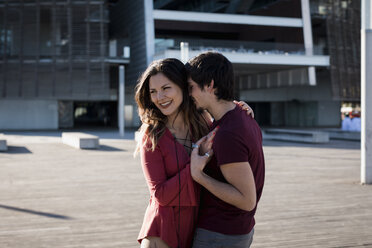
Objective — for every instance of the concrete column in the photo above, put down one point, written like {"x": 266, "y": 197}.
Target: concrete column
{"x": 308, "y": 37}
{"x": 149, "y": 30}
{"x": 121, "y": 101}
{"x": 366, "y": 92}
{"x": 184, "y": 52}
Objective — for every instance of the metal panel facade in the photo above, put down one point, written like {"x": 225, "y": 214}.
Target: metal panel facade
{"x": 54, "y": 49}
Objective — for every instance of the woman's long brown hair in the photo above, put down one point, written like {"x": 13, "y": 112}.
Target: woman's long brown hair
{"x": 153, "y": 121}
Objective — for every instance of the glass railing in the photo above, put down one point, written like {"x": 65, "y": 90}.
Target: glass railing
{"x": 235, "y": 46}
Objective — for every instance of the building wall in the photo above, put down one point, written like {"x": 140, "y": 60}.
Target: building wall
{"x": 329, "y": 113}
{"x": 279, "y": 98}
{"x": 128, "y": 21}
{"x": 54, "y": 51}
{"x": 57, "y": 51}
{"x": 301, "y": 106}
{"x": 28, "y": 114}
{"x": 131, "y": 23}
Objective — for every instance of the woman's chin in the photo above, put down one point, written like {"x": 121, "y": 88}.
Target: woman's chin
{"x": 169, "y": 113}
{"x": 166, "y": 113}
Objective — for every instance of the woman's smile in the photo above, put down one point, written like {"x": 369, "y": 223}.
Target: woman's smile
{"x": 165, "y": 104}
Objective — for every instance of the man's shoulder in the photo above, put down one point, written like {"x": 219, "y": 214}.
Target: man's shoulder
{"x": 240, "y": 123}
{"x": 243, "y": 131}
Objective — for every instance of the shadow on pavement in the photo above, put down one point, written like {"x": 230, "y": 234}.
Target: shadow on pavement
{"x": 17, "y": 150}
{"x": 50, "y": 215}
{"x": 109, "y": 149}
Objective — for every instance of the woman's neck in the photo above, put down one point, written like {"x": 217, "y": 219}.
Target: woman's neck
{"x": 176, "y": 124}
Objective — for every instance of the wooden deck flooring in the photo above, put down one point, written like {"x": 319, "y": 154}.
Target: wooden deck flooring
{"x": 55, "y": 196}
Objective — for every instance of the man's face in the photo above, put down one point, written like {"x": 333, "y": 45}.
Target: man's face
{"x": 197, "y": 95}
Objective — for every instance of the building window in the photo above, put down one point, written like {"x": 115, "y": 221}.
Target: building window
{"x": 5, "y": 41}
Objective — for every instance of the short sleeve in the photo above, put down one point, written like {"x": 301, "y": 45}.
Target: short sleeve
{"x": 228, "y": 148}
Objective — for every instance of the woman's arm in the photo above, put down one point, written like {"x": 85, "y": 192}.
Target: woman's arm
{"x": 166, "y": 191}
{"x": 209, "y": 118}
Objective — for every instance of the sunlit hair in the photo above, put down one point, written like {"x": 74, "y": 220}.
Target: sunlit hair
{"x": 153, "y": 121}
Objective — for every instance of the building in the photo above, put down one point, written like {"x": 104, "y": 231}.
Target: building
{"x": 295, "y": 61}
{"x": 56, "y": 64}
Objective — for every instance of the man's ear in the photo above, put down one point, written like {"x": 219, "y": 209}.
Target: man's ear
{"x": 210, "y": 86}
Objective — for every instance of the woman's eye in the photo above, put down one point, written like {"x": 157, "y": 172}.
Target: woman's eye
{"x": 166, "y": 88}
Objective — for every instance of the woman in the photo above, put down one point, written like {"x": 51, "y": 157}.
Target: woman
{"x": 171, "y": 124}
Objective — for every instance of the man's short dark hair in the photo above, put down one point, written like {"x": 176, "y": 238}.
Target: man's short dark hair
{"x": 211, "y": 65}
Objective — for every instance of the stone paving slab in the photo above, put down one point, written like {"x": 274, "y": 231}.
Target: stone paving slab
{"x": 52, "y": 195}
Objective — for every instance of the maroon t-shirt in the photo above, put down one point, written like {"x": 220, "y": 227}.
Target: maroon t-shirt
{"x": 238, "y": 139}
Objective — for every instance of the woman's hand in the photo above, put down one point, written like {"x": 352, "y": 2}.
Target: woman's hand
{"x": 198, "y": 161}
{"x": 207, "y": 142}
{"x": 246, "y": 107}
{"x": 201, "y": 154}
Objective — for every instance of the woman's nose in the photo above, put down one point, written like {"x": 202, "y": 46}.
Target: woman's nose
{"x": 160, "y": 95}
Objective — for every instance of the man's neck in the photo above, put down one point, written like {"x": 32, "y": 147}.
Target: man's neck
{"x": 219, "y": 108}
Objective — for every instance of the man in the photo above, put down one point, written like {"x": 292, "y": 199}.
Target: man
{"x": 233, "y": 179}
{"x": 355, "y": 124}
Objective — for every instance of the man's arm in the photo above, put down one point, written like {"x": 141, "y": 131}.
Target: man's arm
{"x": 240, "y": 190}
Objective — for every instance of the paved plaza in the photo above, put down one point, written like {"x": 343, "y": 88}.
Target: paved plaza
{"x": 56, "y": 196}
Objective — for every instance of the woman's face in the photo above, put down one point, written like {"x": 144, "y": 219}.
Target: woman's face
{"x": 165, "y": 94}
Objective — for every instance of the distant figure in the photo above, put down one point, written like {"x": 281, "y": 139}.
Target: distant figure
{"x": 355, "y": 122}
{"x": 346, "y": 123}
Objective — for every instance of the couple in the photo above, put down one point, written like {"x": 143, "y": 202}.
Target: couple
{"x": 227, "y": 162}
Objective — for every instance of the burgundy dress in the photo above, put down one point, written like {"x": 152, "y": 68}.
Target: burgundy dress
{"x": 172, "y": 212}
